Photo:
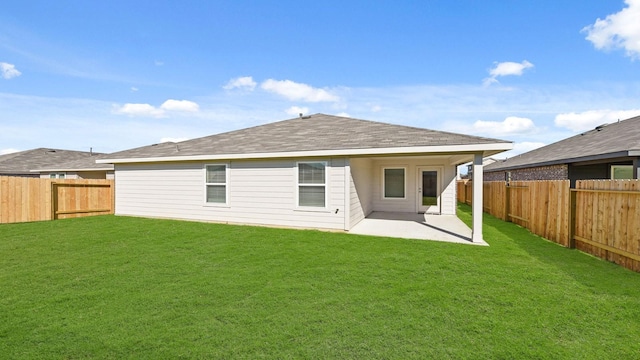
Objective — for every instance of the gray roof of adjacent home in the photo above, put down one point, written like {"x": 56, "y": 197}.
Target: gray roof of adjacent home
{"x": 87, "y": 163}
{"x": 610, "y": 141}
{"x": 21, "y": 163}
{"x": 308, "y": 133}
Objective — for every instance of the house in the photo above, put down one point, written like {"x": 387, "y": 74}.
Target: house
{"x": 469, "y": 167}
{"x": 82, "y": 168}
{"x": 24, "y": 162}
{"x": 610, "y": 151}
{"x": 318, "y": 171}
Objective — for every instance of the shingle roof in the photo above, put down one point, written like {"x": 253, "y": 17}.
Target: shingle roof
{"x": 20, "y": 163}
{"x": 309, "y": 133}
{"x": 86, "y": 163}
{"x": 610, "y": 141}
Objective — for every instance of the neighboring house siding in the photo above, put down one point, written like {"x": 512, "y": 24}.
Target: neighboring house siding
{"x": 554, "y": 172}
{"x": 360, "y": 190}
{"x": 259, "y": 192}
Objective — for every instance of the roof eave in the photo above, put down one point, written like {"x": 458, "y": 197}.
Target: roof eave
{"x": 487, "y": 150}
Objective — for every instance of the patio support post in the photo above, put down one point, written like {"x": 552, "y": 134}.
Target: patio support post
{"x": 476, "y": 206}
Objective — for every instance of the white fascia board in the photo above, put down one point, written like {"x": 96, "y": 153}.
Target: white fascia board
{"x": 634, "y": 152}
{"x": 492, "y": 148}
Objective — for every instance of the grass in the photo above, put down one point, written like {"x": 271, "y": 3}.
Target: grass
{"x": 119, "y": 287}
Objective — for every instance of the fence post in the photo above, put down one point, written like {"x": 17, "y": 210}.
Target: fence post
{"x": 507, "y": 202}
{"x": 54, "y": 200}
{"x": 572, "y": 218}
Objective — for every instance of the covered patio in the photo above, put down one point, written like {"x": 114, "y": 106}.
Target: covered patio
{"x": 447, "y": 228}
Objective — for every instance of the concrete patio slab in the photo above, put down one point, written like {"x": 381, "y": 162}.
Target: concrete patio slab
{"x": 416, "y": 226}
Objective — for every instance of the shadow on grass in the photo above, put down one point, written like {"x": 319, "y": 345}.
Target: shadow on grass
{"x": 588, "y": 270}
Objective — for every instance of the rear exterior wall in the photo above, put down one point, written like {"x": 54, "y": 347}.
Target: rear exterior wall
{"x": 260, "y": 192}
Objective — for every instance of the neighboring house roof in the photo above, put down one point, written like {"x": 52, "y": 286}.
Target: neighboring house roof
{"x": 88, "y": 163}
{"x": 314, "y": 135}
{"x": 611, "y": 141}
{"x": 21, "y": 163}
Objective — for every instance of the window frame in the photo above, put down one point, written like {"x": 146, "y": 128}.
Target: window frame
{"x": 383, "y": 182}
{"x": 325, "y": 185}
{"x": 58, "y": 175}
{"x": 613, "y": 168}
{"x": 226, "y": 185}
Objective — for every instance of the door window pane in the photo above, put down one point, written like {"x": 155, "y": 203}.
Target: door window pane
{"x": 429, "y": 188}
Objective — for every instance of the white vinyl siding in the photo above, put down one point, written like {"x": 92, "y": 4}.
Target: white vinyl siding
{"x": 360, "y": 190}
{"x": 261, "y": 192}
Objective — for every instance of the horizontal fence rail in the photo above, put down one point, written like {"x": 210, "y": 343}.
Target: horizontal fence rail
{"x": 600, "y": 217}
{"x": 31, "y": 199}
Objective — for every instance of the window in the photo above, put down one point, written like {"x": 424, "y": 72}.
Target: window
{"x": 312, "y": 185}
{"x": 216, "y": 184}
{"x": 393, "y": 183}
{"x": 57, "y": 176}
{"x": 621, "y": 172}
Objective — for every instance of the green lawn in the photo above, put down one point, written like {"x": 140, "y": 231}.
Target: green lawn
{"x": 118, "y": 287}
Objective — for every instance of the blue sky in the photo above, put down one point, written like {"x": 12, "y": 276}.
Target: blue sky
{"x": 120, "y": 74}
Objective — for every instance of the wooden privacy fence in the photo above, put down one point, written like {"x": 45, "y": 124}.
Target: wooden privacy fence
{"x": 32, "y": 199}
{"x": 607, "y": 220}
{"x": 600, "y": 217}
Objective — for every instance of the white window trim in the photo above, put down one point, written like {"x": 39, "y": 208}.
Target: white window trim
{"x": 404, "y": 168}
{"x": 326, "y": 187}
{"x": 226, "y": 185}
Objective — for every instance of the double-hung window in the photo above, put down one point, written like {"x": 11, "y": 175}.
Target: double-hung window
{"x": 312, "y": 184}
{"x": 393, "y": 183}
{"x": 216, "y": 184}
{"x": 57, "y": 175}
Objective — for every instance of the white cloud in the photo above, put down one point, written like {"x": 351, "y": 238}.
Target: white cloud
{"x": 297, "y": 110}
{"x": 507, "y": 68}
{"x": 243, "y": 83}
{"x": 158, "y": 63}
{"x": 376, "y": 108}
{"x": 138, "y": 110}
{"x": 180, "y": 105}
{"x": 9, "y": 71}
{"x": 298, "y": 91}
{"x": 134, "y": 89}
{"x": 620, "y": 30}
{"x": 343, "y": 114}
{"x": 173, "y": 139}
{"x": 147, "y": 110}
{"x": 512, "y": 125}
{"x": 588, "y": 120}
{"x": 8, "y": 151}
